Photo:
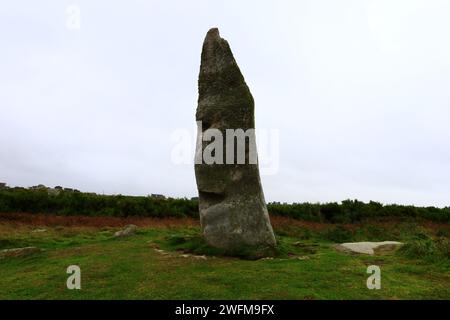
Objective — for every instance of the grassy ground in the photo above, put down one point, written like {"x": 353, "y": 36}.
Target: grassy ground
{"x": 151, "y": 265}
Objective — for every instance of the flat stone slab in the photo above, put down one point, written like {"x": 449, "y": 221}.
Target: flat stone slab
{"x": 368, "y": 247}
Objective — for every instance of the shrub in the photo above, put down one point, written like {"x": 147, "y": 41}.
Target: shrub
{"x": 425, "y": 247}
{"x": 339, "y": 234}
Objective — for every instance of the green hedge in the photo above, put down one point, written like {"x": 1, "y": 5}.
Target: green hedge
{"x": 77, "y": 203}
{"x": 353, "y": 211}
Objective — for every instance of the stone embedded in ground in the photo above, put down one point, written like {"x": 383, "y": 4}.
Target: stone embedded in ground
{"x": 161, "y": 251}
{"x": 303, "y": 258}
{"x": 368, "y": 247}
{"x": 203, "y": 257}
{"x": 129, "y": 230}
{"x": 18, "y": 252}
{"x": 39, "y": 230}
{"x": 233, "y": 212}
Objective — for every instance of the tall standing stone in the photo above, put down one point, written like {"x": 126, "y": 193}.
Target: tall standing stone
{"x": 233, "y": 212}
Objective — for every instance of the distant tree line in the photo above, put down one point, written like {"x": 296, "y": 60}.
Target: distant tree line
{"x": 72, "y": 202}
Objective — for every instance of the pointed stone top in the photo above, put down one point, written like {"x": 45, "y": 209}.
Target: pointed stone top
{"x": 219, "y": 73}
{"x": 213, "y": 33}
{"x": 216, "y": 53}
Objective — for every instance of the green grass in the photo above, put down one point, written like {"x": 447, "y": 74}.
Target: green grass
{"x": 131, "y": 268}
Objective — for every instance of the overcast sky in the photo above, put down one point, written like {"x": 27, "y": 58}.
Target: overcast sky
{"x": 358, "y": 91}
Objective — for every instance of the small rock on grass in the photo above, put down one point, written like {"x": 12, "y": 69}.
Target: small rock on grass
{"x": 39, "y": 230}
{"x": 266, "y": 258}
{"x": 18, "y": 252}
{"x": 161, "y": 251}
{"x": 193, "y": 256}
{"x": 129, "y": 230}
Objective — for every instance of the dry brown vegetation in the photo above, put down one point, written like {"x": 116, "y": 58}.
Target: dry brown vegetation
{"x": 39, "y": 220}
{"x": 279, "y": 223}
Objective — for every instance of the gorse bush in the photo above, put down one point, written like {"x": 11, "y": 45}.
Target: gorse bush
{"x": 424, "y": 246}
{"x": 78, "y": 203}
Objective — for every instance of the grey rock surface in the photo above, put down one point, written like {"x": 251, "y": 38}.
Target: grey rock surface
{"x": 39, "y": 230}
{"x": 368, "y": 247}
{"x": 129, "y": 230}
{"x": 233, "y": 212}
